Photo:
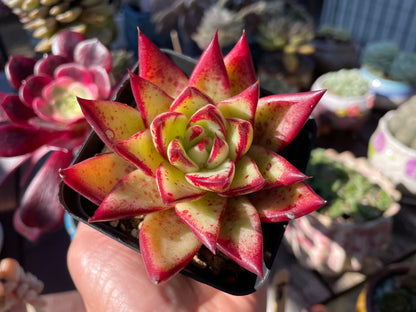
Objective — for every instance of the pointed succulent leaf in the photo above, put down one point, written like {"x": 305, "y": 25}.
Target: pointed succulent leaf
{"x": 16, "y": 111}
{"x": 203, "y": 217}
{"x": 240, "y": 137}
{"x": 242, "y": 105}
{"x": 189, "y": 101}
{"x": 247, "y": 178}
{"x": 274, "y": 168}
{"x": 15, "y": 140}
{"x": 112, "y": 121}
{"x": 215, "y": 180}
{"x": 92, "y": 52}
{"x": 167, "y": 244}
{"x": 279, "y": 118}
{"x": 286, "y": 203}
{"x": 90, "y": 180}
{"x": 219, "y": 152}
{"x": 157, "y": 68}
{"x": 32, "y": 88}
{"x": 46, "y": 66}
{"x": 65, "y": 42}
{"x": 139, "y": 149}
{"x": 18, "y": 68}
{"x": 133, "y": 195}
{"x": 179, "y": 158}
{"x": 40, "y": 206}
{"x": 241, "y": 237}
{"x": 240, "y": 67}
{"x": 210, "y": 118}
{"x": 150, "y": 99}
{"x": 210, "y": 75}
{"x": 173, "y": 186}
{"x": 165, "y": 128}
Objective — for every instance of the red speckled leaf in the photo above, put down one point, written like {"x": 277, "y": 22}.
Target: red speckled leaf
{"x": 279, "y": 118}
{"x": 286, "y": 203}
{"x": 240, "y": 67}
{"x": 133, "y": 195}
{"x": 112, "y": 121}
{"x": 203, "y": 217}
{"x": 189, "y": 101}
{"x": 95, "y": 177}
{"x": 150, "y": 99}
{"x": 274, "y": 168}
{"x": 241, "y": 236}
{"x": 157, "y": 68}
{"x": 210, "y": 75}
{"x": 167, "y": 244}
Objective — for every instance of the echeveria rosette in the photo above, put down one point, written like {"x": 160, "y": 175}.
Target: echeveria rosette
{"x": 198, "y": 158}
{"x": 44, "y": 119}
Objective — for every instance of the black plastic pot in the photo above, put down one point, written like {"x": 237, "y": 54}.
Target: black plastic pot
{"x": 233, "y": 279}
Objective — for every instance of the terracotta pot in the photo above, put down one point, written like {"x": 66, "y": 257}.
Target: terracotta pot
{"x": 333, "y": 247}
{"x": 232, "y": 278}
{"x": 396, "y": 160}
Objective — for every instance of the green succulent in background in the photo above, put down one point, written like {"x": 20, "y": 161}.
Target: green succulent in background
{"x": 379, "y": 56}
{"x": 45, "y": 18}
{"x": 346, "y": 83}
{"x": 288, "y": 28}
{"x": 403, "y": 68}
{"x": 349, "y": 194}
{"x": 331, "y": 32}
{"x": 402, "y": 124}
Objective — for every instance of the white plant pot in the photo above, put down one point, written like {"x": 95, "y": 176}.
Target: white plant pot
{"x": 341, "y": 113}
{"x": 396, "y": 160}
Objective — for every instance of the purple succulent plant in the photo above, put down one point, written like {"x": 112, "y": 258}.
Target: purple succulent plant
{"x": 41, "y": 126}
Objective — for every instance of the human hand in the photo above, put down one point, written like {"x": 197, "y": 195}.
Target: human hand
{"x": 111, "y": 277}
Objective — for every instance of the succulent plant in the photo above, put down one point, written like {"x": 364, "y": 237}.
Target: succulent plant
{"x": 402, "y": 124}
{"x": 346, "y": 83}
{"x": 334, "y": 33}
{"x": 403, "y": 68}
{"x": 18, "y": 287}
{"x": 379, "y": 56}
{"x": 45, "y": 18}
{"x": 287, "y": 28}
{"x": 44, "y": 118}
{"x": 196, "y": 160}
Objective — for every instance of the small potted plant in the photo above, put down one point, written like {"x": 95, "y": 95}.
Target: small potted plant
{"x": 284, "y": 34}
{"x": 334, "y": 49}
{"x": 391, "y": 73}
{"x": 347, "y": 102}
{"x": 393, "y": 289}
{"x": 348, "y": 232}
{"x": 192, "y": 170}
{"x": 392, "y": 147}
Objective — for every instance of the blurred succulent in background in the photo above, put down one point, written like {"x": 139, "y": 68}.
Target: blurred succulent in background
{"x": 289, "y": 28}
{"x": 332, "y": 32}
{"x": 45, "y": 18}
{"x": 43, "y": 124}
{"x": 378, "y": 56}
{"x": 386, "y": 60}
{"x": 230, "y": 19}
